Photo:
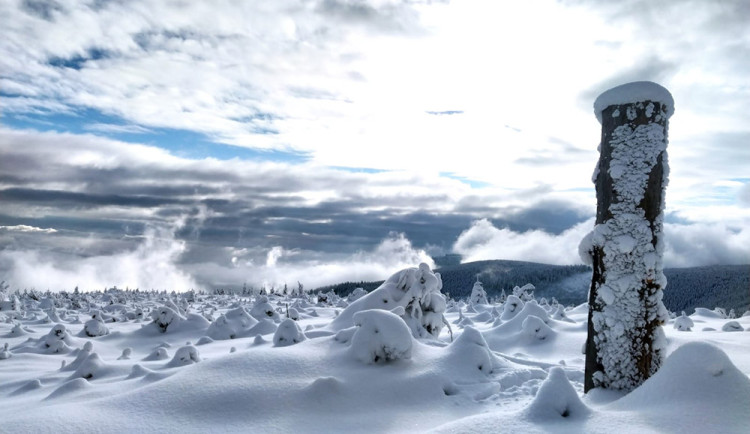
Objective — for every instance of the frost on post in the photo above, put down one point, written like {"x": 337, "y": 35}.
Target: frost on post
{"x": 626, "y": 344}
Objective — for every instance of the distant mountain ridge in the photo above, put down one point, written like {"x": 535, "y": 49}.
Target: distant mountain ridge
{"x": 726, "y": 286}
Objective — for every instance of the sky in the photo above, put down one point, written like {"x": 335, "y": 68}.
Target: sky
{"x": 186, "y": 144}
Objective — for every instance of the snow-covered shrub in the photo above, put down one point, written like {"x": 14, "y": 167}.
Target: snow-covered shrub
{"x": 478, "y": 294}
{"x": 263, "y": 310}
{"x": 683, "y": 323}
{"x": 164, "y": 317}
{"x": 535, "y": 329}
{"x": 159, "y": 353}
{"x": 231, "y": 324}
{"x": 732, "y": 326}
{"x": 556, "y": 400}
{"x": 356, "y": 294}
{"x": 186, "y": 355}
{"x": 5, "y": 353}
{"x": 126, "y": 352}
{"x": 95, "y": 327}
{"x": 56, "y": 341}
{"x": 89, "y": 367}
{"x": 288, "y": 333}
{"x": 381, "y": 336}
{"x": 469, "y": 356}
{"x": 293, "y": 314}
{"x": 511, "y": 307}
{"x": 417, "y": 290}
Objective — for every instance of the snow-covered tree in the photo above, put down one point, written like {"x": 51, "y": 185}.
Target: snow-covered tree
{"x": 626, "y": 344}
{"x": 478, "y": 294}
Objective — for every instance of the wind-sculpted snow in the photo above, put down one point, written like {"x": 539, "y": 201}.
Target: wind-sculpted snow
{"x": 501, "y": 367}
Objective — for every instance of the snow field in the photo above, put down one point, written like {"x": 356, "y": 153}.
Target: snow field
{"x": 517, "y": 367}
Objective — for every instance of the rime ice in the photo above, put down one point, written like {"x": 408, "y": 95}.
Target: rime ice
{"x": 626, "y": 244}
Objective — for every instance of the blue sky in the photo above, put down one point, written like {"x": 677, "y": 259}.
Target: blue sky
{"x": 340, "y": 139}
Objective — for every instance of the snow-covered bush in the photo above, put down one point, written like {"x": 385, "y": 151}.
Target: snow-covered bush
{"x": 556, "y": 400}
{"x": 186, "y": 355}
{"x": 164, "y": 317}
{"x": 683, "y": 323}
{"x": 356, "y": 294}
{"x": 263, "y": 310}
{"x": 381, "y": 336}
{"x": 417, "y": 290}
{"x": 535, "y": 329}
{"x": 732, "y": 326}
{"x": 56, "y": 341}
{"x": 95, "y": 327}
{"x": 511, "y": 307}
{"x": 478, "y": 294}
{"x": 231, "y": 324}
{"x": 288, "y": 333}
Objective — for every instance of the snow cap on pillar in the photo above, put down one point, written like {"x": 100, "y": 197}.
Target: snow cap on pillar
{"x": 637, "y": 91}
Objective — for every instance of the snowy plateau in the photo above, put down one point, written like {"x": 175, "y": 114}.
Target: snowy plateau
{"x": 401, "y": 358}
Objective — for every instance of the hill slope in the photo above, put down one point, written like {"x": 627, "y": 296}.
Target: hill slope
{"x": 726, "y": 286}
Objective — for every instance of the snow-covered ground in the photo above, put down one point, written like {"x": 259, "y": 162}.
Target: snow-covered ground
{"x": 225, "y": 363}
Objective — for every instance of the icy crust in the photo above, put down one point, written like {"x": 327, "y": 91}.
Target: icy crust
{"x": 630, "y": 298}
{"x": 636, "y": 92}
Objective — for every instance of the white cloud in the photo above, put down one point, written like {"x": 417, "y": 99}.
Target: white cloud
{"x": 25, "y": 228}
{"x": 151, "y": 265}
{"x": 686, "y": 245}
{"x": 352, "y": 85}
{"x": 483, "y": 241}
{"x": 312, "y": 269}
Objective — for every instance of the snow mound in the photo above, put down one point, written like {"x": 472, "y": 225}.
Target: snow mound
{"x": 696, "y": 373}
{"x": 556, "y": 400}
{"x": 231, "y": 324}
{"x": 381, "y": 336}
{"x": 470, "y": 356}
{"x": 73, "y": 386}
{"x": 263, "y": 310}
{"x": 417, "y": 290}
{"x": 683, "y": 323}
{"x": 288, "y": 333}
{"x": 534, "y": 329}
{"x": 511, "y": 307}
{"x": 732, "y": 326}
{"x": 28, "y": 387}
{"x": 165, "y": 317}
{"x": 186, "y": 355}
{"x": 638, "y": 91}
{"x": 95, "y": 327}
{"x": 92, "y": 366}
{"x": 708, "y": 313}
{"x": 160, "y": 353}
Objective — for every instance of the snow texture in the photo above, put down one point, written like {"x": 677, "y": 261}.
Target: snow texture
{"x": 635, "y": 92}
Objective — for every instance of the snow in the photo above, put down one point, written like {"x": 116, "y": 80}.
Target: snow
{"x": 639, "y": 91}
{"x": 521, "y": 374}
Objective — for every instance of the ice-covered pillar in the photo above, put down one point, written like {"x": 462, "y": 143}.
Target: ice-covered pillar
{"x": 625, "y": 344}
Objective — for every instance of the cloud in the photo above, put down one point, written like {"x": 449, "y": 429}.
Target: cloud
{"x": 151, "y": 265}
{"x": 686, "y": 245}
{"x": 483, "y": 241}
{"x": 690, "y": 245}
{"x": 25, "y": 228}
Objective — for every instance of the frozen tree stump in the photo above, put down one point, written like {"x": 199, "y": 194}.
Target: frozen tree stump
{"x": 626, "y": 344}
